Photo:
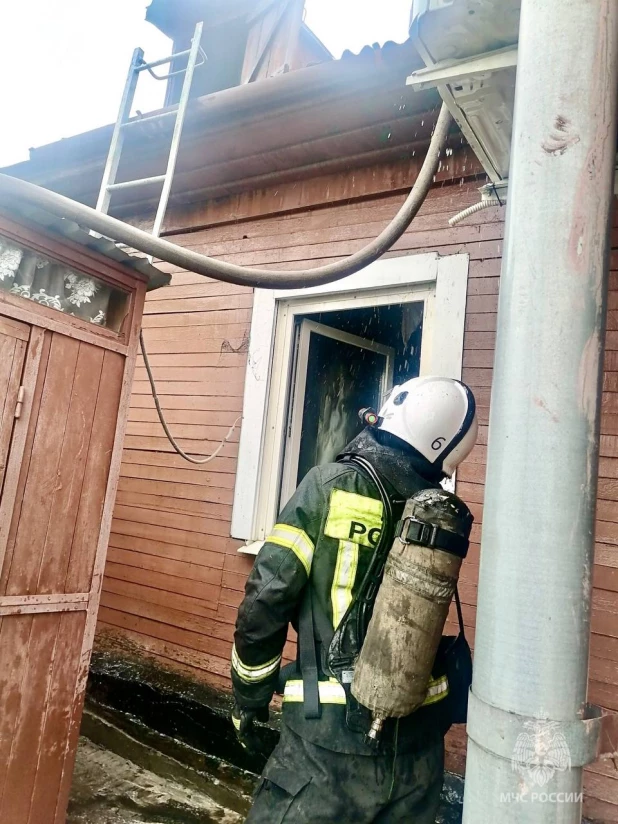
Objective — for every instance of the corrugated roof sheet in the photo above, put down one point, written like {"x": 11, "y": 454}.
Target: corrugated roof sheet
{"x": 378, "y": 49}
{"x": 101, "y": 245}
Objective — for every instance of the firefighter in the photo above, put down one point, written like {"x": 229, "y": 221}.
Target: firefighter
{"x": 309, "y": 574}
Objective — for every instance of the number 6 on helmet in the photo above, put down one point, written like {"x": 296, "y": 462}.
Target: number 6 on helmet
{"x": 436, "y": 416}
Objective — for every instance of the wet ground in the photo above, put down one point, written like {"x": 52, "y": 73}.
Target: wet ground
{"x": 157, "y": 749}
{"x": 109, "y": 789}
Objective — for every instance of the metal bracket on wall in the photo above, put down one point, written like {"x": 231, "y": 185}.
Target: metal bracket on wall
{"x": 453, "y": 72}
{"x": 506, "y": 733}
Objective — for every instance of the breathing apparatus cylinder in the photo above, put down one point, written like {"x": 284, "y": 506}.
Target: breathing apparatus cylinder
{"x": 393, "y": 670}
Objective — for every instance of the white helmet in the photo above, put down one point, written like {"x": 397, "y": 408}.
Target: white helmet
{"x": 436, "y": 416}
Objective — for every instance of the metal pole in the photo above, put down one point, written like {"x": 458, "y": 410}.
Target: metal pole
{"x": 528, "y": 740}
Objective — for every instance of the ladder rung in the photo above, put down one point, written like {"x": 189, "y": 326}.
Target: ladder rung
{"x": 162, "y": 61}
{"x": 129, "y": 184}
{"x": 135, "y": 121}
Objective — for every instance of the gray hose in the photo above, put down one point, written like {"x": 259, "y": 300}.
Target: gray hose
{"x": 231, "y": 273}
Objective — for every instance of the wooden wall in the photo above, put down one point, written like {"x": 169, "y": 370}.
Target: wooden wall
{"x": 174, "y": 578}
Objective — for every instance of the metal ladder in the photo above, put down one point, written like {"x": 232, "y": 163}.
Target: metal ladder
{"x": 109, "y": 185}
{"x": 124, "y": 122}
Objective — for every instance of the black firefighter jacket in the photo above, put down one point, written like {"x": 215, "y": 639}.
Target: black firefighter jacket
{"x": 324, "y": 539}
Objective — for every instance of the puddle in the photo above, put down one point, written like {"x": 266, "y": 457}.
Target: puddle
{"x": 109, "y": 789}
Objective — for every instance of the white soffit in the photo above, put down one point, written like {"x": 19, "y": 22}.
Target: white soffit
{"x": 470, "y": 51}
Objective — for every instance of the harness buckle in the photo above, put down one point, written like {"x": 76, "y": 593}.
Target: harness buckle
{"x": 413, "y": 531}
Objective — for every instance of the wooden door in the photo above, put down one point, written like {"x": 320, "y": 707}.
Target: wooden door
{"x": 55, "y": 484}
{"x": 13, "y": 342}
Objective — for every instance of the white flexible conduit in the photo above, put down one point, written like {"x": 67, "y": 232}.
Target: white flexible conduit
{"x": 12, "y": 188}
{"x": 472, "y": 210}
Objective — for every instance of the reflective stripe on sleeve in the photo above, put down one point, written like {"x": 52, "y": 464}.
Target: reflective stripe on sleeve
{"x": 295, "y": 539}
{"x": 253, "y": 675}
{"x": 331, "y": 692}
{"x": 437, "y": 690}
{"x": 343, "y": 580}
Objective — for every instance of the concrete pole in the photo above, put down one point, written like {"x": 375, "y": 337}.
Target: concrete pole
{"x": 527, "y": 738}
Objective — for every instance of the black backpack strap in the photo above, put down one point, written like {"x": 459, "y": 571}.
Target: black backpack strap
{"x": 307, "y": 657}
{"x": 368, "y": 469}
{"x": 349, "y": 635}
{"x": 462, "y": 630}
{"x": 412, "y": 531}
{"x": 371, "y": 583}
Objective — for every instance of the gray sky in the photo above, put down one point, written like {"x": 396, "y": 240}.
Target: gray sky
{"x": 63, "y": 63}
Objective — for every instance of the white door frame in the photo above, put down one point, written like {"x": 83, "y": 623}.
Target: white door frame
{"x": 441, "y": 281}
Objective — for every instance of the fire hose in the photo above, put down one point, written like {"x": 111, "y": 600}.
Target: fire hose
{"x": 229, "y": 272}
{"x": 14, "y": 189}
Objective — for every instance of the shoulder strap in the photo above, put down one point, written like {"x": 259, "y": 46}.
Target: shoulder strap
{"x": 307, "y": 656}
{"x": 462, "y": 630}
{"x": 306, "y": 623}
{"x": 354, "y": 622}
{"x": 369, "y": 470}
{"x": 370, "y": 585}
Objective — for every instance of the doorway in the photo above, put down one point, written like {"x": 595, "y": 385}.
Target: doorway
{"x": 344, "y": 361}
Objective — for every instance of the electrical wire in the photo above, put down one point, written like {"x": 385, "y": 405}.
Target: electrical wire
{"x": 166, "y": 429}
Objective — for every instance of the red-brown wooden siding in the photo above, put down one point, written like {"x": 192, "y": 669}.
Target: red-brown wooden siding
{"x": 174, "y": 578}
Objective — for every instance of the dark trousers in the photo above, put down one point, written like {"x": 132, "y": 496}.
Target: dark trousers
{"x": 306, "y": 784}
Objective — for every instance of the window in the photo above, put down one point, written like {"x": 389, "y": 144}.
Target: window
{"x": 49, "y": 283}
{"x": 317, "y": 356}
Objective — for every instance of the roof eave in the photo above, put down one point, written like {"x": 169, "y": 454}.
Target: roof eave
{"x": 73, "y": 166}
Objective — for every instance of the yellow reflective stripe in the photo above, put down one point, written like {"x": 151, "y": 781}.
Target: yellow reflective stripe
{"x": 295, "y": 539}
{"x": 252, "y": 675}
{"x": 331, "y": 692}
{"x": 343, "y": 580}
{"x": 437, "y": 690}
{"x": 353, "y": 517}
{"x": 274, "y": 661}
